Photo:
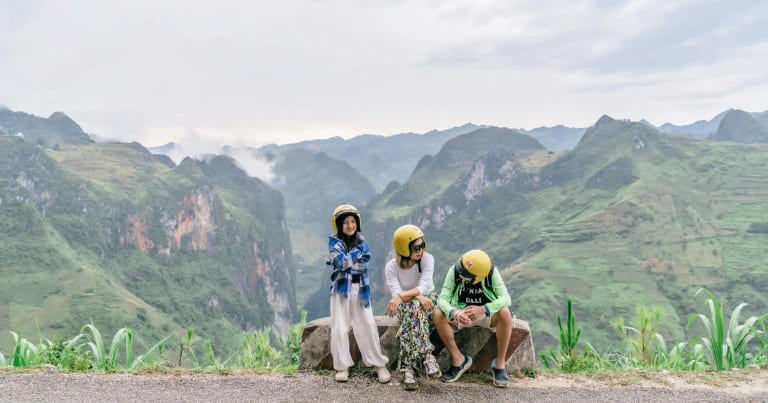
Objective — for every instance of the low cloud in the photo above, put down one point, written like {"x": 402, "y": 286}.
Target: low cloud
{"x": 255, "y": 166}
{"x": 197, "y": 146}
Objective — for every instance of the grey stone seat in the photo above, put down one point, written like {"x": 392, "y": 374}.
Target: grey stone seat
{"x": 476, "y": 342}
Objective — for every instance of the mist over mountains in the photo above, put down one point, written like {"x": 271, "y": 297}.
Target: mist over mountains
{"x": 386, "y": 158}
{"x": 113, "y": 234}
{"x": 616, "y": 215}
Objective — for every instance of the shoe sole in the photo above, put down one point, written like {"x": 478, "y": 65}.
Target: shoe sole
{"x": 389, "y": 378}
{"x": 410, "y": 387}
{"x": 438, "y": 376}
{"x": 341, "y": 379}
{"x": 498, "y": 385}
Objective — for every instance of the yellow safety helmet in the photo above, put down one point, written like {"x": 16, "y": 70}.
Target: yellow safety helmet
{"x": 342, "y": 210}
{"x": 474, "y": 265}
{"x": 403, "y": 238}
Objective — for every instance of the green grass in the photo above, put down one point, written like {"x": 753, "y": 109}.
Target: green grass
{"x": 682, "y": 224}
{"x": 97, "y": 234}
{"x": 723, "y": 345}
{"x": 727, "y": 347}
{"x": 89, "y": 351}
{"x": 718, "y": 348}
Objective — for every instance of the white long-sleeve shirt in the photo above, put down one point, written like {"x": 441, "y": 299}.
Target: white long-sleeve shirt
{"x": 399, "y": 280}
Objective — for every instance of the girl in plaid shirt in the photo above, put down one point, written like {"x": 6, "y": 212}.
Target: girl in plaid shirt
{"x": 348, "y": 256}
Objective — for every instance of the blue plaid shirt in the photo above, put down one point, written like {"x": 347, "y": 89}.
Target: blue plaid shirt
{"x": 346, "y": 263}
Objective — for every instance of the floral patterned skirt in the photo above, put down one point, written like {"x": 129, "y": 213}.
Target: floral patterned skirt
{"x": 413, "y": 335}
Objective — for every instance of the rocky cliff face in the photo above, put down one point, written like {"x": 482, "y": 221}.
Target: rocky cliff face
{"x": 201, "y": 242}
{"x": 492, "y": 170}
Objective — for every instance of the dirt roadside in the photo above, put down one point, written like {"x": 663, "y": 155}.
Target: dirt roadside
{"x": 46, "y": 385}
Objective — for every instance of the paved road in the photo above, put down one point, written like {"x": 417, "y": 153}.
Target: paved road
{"x": 48, "y": 386}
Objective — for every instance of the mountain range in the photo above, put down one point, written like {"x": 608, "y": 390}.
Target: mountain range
{"x": 631, "y": 216}
{"x": 628, "y": 215}
{"x": 113, "y": 234}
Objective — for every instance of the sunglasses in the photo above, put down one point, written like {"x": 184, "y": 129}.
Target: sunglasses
{"x": 418, "y": 248}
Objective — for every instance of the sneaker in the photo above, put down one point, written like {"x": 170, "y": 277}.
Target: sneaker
{"x": 409, "y": 379}
{"x": 342, "y": 376}
{"x": 454, "y": 373}
{"x": 383, "y": 374}
{"x": 430, "y": 365}
{"x": 500, "y": 378}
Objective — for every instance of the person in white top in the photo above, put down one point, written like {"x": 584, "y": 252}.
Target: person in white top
{"x": 409, "y": 278}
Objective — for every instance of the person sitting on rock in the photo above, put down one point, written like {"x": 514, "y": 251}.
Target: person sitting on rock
{"x": 348, "y": 256}
{"x": 409, "y": 278}
{"x": 474, "y": 294}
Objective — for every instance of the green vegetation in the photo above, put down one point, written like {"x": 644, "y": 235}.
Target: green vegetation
{"x": 313, "y": 184}
{"x": 758, "y": 227}
{"x": 52, "y": 132}
{"x": 641, "y": 337}
{"x": 727, "y": 347}
{"x": 569, "y": 358}
{"x": 109, "y": 234}
{"x": 380, "y": 159}
{"x": 433, "y": 176}
{"x": 742, "y": 127}
{"x": 631, "y": 217}
{"x": 713, "y": 347}
{"x": 88, "y": 351}
{"x": 718, "y": 348}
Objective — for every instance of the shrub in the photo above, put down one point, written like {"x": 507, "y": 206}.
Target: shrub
{"x": 727, "y": 348}
{"x": 569, "y": 359}
{"x": 640, "y": 337}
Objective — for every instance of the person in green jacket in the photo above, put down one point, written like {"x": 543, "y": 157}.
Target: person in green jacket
{"x": 474, "y": 294}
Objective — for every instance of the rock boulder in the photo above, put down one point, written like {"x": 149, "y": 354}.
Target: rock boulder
{"x": 478, "y": 343}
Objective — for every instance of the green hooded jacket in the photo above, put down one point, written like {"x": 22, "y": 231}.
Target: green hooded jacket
{"x": 448, "y": 300}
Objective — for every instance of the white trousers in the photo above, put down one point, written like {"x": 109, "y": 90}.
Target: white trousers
{"x": 347, "y": 313}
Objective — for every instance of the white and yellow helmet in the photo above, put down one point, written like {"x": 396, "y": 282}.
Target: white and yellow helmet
{"x": 474, "y": 265}
{"x": 403, "y": 238}
{"x": 341, "y": 211}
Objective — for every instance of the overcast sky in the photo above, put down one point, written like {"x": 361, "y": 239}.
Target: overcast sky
{"x": 256, "y": 72}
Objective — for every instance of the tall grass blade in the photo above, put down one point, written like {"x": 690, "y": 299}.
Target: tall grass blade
{"x": 727, "y": 348}
{"x": 760, "y": 332}
{"x": 96, "y": 344}
{"x": 24, "y": 352}
{"x": 122, "y": 336}
{"x": 149, "y": 355}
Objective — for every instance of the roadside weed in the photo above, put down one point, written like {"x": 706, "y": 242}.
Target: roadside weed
{"x": 727, "y": 348}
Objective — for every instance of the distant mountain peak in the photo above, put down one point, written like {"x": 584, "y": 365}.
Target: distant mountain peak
{"x": 604, "y": 120}
{"x": 47, "y": 132}
{"x": 730, "y": 113}
{"x": 60, "y": 116}
{"x": 741, "y": 127}
{"x": 647, "y": 123}
{"x": 607, "y": 127}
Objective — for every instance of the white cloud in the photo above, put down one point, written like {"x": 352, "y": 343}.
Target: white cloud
{"x": 261, "y": 72}
{"x": 201, "y": 146}
{"x": 254, "y": 166}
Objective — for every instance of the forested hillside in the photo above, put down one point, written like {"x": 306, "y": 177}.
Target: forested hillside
{"x": 112, "y": 234}
{"x": 632, "y": 216}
